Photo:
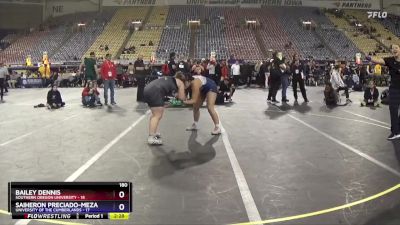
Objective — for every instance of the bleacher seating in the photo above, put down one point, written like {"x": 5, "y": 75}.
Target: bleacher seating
{"x": 158, "y": 17}
{"x": 179, "y": 15}
{"x": 272, "y": 31}
{"x": 392, "y": 23}
{"x": 18, "y": 51}
{"x": 305, "y": 39}
{"x": 363, "y": 41}
{"x": 211, "y": 36}
{"x": 176, "y": 35}
{"x": 222, "y": 30}
{"x": 9, "y": 38}
{"x": 174, "y": 40}
{"x": 81, "y": 40}
{"x": 384, "y": 34}
{"x": 116, "y": 31}
{"x": 56, "y": 32}
{"x": 241, "y": 42}
{"x": 78, "y": 44}
{"x": 140, "y": 39}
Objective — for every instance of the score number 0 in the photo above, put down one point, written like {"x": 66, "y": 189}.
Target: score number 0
{"x": 121, "y": 194}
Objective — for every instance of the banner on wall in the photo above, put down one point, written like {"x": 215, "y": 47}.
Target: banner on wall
{"x": 362, "y": 4}
{"x": 133, "y": 2}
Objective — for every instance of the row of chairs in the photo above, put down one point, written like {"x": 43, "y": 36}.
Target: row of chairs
{"x": 140, "y": 39}
{"x": 115, "y": 32}
{"x": 384, "y": 33}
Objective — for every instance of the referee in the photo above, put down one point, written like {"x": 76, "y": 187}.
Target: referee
{"x": 393, "y": 63}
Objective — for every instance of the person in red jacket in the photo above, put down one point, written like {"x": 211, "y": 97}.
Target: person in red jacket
{"x": 109, "y": 74}
{"x": 165, "y": 69}
{"x": 224, "y": 71}
{"x": 90, "y": 95}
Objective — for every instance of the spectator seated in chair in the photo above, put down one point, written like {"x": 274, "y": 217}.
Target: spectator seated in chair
{"x": 337, "y": 82}
{"x": 371, "y": 95}
{"x": 90, "y": 95}
{"x": 54, "y": 100}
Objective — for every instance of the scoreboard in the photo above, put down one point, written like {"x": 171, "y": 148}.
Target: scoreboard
{"x": 70, "y": 200}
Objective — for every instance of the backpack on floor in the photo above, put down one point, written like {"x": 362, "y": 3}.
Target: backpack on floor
{"x": 385, "y": 97}
{"x": 220, "y": 98}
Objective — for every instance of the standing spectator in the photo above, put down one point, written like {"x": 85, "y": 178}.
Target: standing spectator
{"x": 8, "y": 78}
{"x": 257, "y": 69}
{"x": 224, "y": 71}
{"x": 3, "y": 74}
{"x": 90, "y": 68}
{"x": 172, "y": 64}
{"x": 204, "y": 64}
{"x": 218, "y": 70}
{"x": 131, "y": 73}
{"x": 140, "y": 77}
{"x": 131, "y": 69}
{"x": 298, "y": 78}
{"x": 285, "y": 73}
{"x": 189, "y": 64}
{"x": 211, "y": 71}
{"x": 263, "y": 74}
{"x": 378, "y": 74}
{"x": 120, "y": 73}
{"x": 370, "y": 69}
{"x": 13, "y": 80}
{"x": 183, "y": 67}
{"x": 109, "y": 74}
{"x": 165, "y": 69}
{"x": 275, "y": 78}
{"x": 363, "y": 74}
{"x": 393, "y": 63}
{"x": 54, "y": 100}
{"x": 247, "y": 72}
{"x": 139, "y": 62}
{"x": 235, "y": 71}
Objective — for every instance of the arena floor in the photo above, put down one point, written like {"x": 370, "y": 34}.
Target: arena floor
{"x": 270, "y": 162}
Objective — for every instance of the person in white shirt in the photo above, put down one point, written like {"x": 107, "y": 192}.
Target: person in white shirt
{"x": 337, "y": 81}
{"x": 13, "y": 80}
{"x": 3, "y": 74}
{"x": 211, "y": 70}
{"x": 235, "y": 71}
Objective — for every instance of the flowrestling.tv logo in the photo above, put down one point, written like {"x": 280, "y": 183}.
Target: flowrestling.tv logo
{"x": 379, "y": 15}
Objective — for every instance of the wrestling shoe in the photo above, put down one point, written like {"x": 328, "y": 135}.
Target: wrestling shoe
{"x": 216, "y": 131}
{"x": 154, "y": 140}
{"x": 192, "y": 128}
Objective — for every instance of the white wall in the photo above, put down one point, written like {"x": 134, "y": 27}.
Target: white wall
{"x": 17, "y": 16}
{"x": 56, "y": 8}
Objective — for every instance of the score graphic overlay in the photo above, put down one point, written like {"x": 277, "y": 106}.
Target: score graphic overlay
{"x": 70, "y": 200}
